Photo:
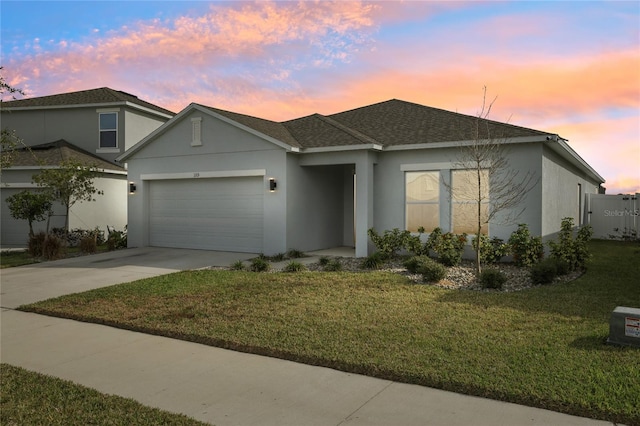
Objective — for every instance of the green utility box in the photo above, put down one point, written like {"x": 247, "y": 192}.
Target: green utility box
{"x": 624, "y": 327}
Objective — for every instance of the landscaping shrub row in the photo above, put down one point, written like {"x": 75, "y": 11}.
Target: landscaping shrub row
{"x": 54, "y": 245}
{"x": 568, "y": 253}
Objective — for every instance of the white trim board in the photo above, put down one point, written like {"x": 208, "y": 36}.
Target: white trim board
{"x": 204, "y": 175}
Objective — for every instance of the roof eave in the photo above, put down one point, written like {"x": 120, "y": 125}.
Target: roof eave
{"x": 560, "y": 145}
{"x": 459, "y": 143}
{"x": 369, "y": 146}
{"x": 91, "y": 105}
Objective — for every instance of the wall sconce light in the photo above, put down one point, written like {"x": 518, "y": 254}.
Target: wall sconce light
{"x": 272, "y": 184}
{"x": 132, "y": 188}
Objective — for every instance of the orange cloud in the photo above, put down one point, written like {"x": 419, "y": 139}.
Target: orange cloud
{"x": 217, "y": 40}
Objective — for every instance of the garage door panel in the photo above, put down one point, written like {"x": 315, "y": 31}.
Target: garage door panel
{"x": 214, "y": 214}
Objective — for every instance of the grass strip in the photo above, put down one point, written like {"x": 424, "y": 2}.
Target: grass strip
{"x": 543, "y": 347}
{"x": 32, "y": 398}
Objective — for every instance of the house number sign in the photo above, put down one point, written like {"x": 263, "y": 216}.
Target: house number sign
{"x": 196, "y": 175}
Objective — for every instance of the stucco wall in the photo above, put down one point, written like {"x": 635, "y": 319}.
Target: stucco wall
{"x": 80, "y": 127}
{"x": 109, "y": 209}
{"x": 225, "y": 148}
{"x": 317, "y": 197}
{"x": 560, "y": 192}
{"x": 389, "y": 186}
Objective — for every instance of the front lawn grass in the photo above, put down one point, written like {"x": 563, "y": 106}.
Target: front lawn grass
{"x": 10, "y": 259}
{"x": 35, "y": 399}
{"x": 543, "y": 347}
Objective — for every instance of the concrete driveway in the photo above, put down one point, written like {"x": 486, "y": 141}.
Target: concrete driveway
{"x": 32, "y": 283}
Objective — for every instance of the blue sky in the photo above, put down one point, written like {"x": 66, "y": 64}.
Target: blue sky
{"x": 571, "y": 68}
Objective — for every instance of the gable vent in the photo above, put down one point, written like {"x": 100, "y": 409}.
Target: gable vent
{"x": 196, "y": 131}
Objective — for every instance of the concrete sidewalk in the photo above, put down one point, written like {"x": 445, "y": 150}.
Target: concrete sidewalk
{"x": 211, "y": 384}
{"x": 231, "y": 388}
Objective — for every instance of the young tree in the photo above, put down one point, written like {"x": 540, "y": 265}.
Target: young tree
{"x": 69, "y": 183}
{"x": 30, "y": 206}
{"x": 9, "y": 141}
{"x": 493, "y": 187}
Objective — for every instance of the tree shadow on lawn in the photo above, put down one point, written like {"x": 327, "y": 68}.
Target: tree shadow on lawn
{"x": 572, "y": 299}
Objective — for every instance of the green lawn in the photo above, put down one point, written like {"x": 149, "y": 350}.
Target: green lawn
{"x": 9, "y": 259}
{"x": 543, "y": 347}
{"x": 35, "y": 399}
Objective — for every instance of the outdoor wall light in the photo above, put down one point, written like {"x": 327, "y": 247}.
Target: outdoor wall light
{"x": 132, "y": 188}
{"x": 272, "y": 184}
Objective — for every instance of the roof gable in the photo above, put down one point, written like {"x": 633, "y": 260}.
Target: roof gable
{"x": 100, "y": 96}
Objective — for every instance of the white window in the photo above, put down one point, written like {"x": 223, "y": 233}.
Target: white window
{"x": 465, "y": 194}
{"x": 422, "y": 196}
{"x": 108, "y": 129}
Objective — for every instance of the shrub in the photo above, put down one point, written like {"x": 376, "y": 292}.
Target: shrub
{"x": 238, "y": 265}
{"x": 74, "y": 237}
{"x": 278, "y": 257}
{"x": 259, "y": 264}
{"x": 117, "y": 240}
{"x": 448, "y": 247}
{"x": 374, "y": 261}
{"x": 413, "y": 263}
{"x": 525, "y": 248}
{"x": 492, "y": 278}
{"x": 573, "y": 251}
{"x": 88, "y": 243}
{"x": 333, "y": 265}
{"x": 547, "y": 270}
{"x": 324, "y": 260}
{"x": 431, "y": 270}
{"x": 414, "y": 245}
{"x": 295, "y": 254}
{"x": 544, "y": 272}
{"x": 53, "y": 247}
{"x": 390, "y": 242}
{"x": 294, "y": 266}
{"x": 36, "y": 243}
{"x": 491, "y": 250}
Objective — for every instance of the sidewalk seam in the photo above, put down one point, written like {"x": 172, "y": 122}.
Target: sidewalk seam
{"x": 363, "y": 404}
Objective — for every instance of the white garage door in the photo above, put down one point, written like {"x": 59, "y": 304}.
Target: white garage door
{"x": 213, "y": 214}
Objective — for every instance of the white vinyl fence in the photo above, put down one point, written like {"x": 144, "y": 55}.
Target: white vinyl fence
{"x": 613, "y": 216}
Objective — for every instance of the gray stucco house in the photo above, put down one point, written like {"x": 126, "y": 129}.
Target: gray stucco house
{"x": 92, "y": 127}
{"x": 214, "y": 179}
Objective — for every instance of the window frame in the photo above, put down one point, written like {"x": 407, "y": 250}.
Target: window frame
{"x": 461, "y": 200}
{"x": 434, "y": 201}
{"x": 101, "y": 130}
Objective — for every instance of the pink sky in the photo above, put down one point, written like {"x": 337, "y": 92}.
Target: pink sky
{"x": 552, "y": 67}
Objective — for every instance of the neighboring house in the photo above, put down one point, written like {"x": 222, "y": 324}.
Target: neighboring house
{"x": 92, "y": 127}
{"x": 213, "y": 179}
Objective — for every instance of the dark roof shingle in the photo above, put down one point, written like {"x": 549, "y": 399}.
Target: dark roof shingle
{"x": 53, "y": 153}
{"x": 103, "y": 95}
{"x": 389, "y": 123}
{"x": 270, "y": 128}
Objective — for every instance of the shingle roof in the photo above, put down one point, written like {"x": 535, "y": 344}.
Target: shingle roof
{"x": 397, "y": 122}
{"x": 270, "y": 128}
{"x": 53, "y": 153}
{"x": 103, "y": 95}
{"x": 388, "y": 123}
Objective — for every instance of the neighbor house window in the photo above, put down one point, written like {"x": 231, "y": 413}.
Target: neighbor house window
{"x": 464, "y": 201}
{"x": 422, "y": 200}
{"x": 109, "y": 130}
